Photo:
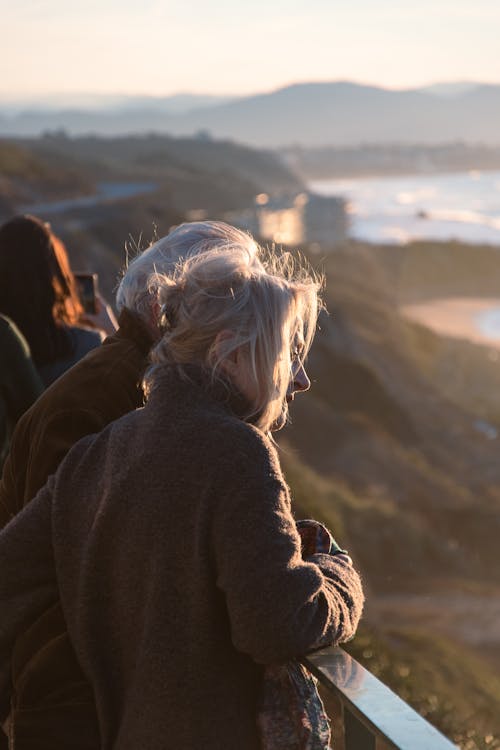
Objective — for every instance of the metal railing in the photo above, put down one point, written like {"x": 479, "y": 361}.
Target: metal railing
{"x": 372, "y": 717}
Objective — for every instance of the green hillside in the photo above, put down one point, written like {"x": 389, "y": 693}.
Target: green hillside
{"x": 456, "y": 689}
{"x": 26, "y": 176}
{"x": 404, "y": 480}
{"x": 196, "y": 173}
{"x": 190, "y": 178}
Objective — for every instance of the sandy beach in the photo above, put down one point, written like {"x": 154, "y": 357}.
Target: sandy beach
{"x": 461, "y": 317}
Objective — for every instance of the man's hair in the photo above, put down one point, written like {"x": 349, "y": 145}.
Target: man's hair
{"x": 259, "y": 301}
{"x": 138, "y": 289}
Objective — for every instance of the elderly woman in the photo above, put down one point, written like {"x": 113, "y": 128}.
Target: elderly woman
{"x": 169, "y": 537}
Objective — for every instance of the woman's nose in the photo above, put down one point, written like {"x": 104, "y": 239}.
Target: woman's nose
{"x": 300, "y": 380}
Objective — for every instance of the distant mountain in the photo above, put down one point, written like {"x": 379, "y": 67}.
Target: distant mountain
{"x": 310, "y": 114}
{"x": 107, "y": 103}
{"x": 450, "y": 89}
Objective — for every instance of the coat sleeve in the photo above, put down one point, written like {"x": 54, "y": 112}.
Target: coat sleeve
{"x": 279, "y": 605}
{"x": 39, "y": 444}
{"x": 27, "y": 582}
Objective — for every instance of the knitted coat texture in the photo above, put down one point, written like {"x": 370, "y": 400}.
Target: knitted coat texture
{"x": 170, "y": 541}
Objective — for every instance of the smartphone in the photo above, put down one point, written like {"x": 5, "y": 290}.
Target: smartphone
{"x": 87, "y": 288}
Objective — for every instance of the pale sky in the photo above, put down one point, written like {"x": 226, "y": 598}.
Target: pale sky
{"x": 161, "y": 47}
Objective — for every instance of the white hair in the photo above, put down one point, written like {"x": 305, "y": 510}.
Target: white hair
{"x": 259, "y": 302}
{"x": 138, "y": 289}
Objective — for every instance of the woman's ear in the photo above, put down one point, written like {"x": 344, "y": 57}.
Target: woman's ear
{"x": 228, "y": 361}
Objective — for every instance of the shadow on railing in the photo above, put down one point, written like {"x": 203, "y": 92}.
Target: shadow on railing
{"x": 368, "y": 715}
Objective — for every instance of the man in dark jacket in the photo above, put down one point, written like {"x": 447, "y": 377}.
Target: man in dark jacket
{"x": 53, "y": 705}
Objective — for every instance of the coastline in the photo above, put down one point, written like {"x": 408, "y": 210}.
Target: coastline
{"x": 458, "y": 317}
{"x": 461, "y": 206}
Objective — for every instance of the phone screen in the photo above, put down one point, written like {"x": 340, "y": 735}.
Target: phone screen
{"x": 87, "y": 288}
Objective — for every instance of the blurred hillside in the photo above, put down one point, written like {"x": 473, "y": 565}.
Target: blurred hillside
{"x": 367, "y": 160}
{"x": 216, "y": 175}
{"x": 26, "y": 176}
{"x": 378, "y": 419}
{"x": 385, "y": 450}
{"x": 175, "y": 178}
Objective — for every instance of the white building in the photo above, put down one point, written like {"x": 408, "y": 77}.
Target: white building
{"x": 304, "y": 217}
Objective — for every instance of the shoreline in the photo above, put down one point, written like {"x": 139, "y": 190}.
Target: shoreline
{"x": 473, "y": 172}
{"x": 461, "y": 206}
{"x": 457, "y": 317}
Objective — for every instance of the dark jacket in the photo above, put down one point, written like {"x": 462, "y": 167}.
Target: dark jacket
{"x": 19, "y": 381}
{"x": 170, "y": 541}
{"x": 101, "y": 387}
{"x": 81, "y": 341}
{"x": 53, "y": 704}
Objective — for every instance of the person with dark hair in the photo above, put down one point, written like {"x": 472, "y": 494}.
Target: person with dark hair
{"x": 38, "y": 293}
{"x": 19, "y": 381}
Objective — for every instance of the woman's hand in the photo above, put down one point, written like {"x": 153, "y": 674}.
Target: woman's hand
{"x": 104, "y": 318}
{"x": 343, "y": 556}
{"x": 315, "y": 538}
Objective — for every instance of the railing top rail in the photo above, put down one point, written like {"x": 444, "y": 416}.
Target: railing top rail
{"x": 373, "y": 703}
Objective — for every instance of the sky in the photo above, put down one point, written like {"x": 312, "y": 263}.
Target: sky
{"x": 161, "y": 47}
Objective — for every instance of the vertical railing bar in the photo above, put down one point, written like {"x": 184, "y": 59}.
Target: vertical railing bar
{"x": 357, "y": 736}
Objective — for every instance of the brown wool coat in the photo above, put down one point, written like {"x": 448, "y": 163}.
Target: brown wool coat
{"x": 52, "y": 701}
{"x": 98, "y": 389}
{"x": 170, "y": 540}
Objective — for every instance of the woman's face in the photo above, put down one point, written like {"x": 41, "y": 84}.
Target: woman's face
{"x": 299, "y": 381}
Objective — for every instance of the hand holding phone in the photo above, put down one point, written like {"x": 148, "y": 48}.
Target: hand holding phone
{"x": 87, "y": 288}
{"x": 97, "y": 311}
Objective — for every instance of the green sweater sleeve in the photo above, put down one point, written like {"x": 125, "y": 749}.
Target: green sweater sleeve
{"x": 20, "y": 384}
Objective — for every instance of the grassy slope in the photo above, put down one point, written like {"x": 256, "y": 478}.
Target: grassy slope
{"x": 466, "y": 373}
{"x": 453, "y": 688}
{"x": 190, "y": 174}
{"x": 396, "y": 470}
{"x": 375, "y": 421}
{"x": 26, "y": 176}
{"x": 212, "y": 175}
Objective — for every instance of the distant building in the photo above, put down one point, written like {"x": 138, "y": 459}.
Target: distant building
{"x": 325, "y": 219}
{"x": 281, "y": 219}
{"x": 293, "y": 220}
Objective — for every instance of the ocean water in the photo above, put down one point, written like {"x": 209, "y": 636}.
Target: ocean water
{"x": 463, "y": 206}
{"x": 488, "y": 323}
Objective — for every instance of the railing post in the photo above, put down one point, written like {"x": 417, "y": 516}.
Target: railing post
{"x": 356, "y": 735}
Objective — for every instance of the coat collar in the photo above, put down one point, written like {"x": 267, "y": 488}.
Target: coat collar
{"x": 131, "y": 327}
{"x": 194, "y": 382}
